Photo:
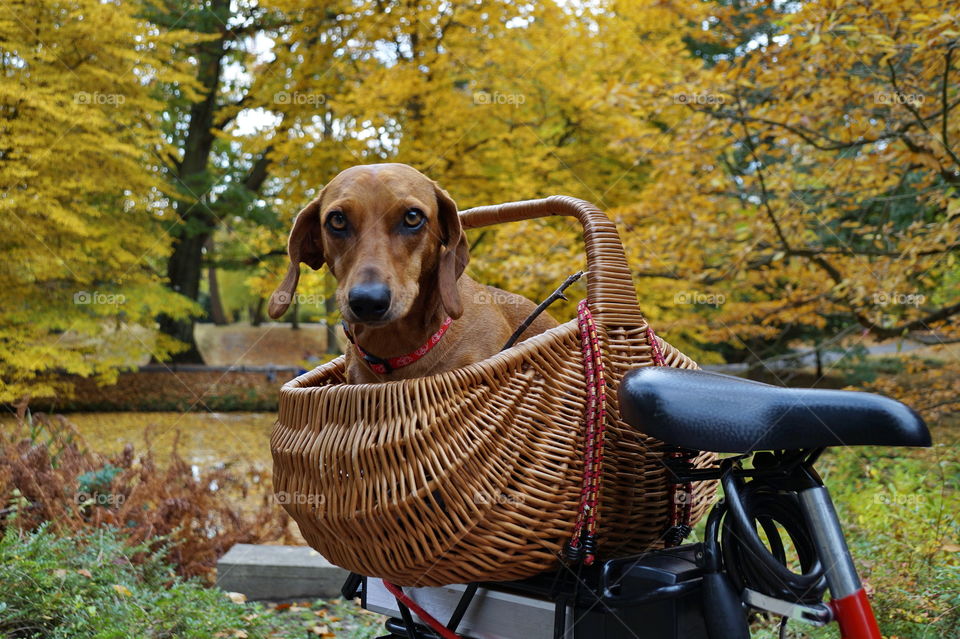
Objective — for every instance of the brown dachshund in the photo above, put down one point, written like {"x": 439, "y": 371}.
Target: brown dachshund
{"x": 392, "y": 239}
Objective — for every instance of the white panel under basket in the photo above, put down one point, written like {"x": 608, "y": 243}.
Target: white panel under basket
{"x": 491, "y": 614}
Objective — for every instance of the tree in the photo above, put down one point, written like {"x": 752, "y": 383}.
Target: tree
{"x": 496, "y": 101}
{"x": 781, "y": 173}
{"x": 82, "y": 205}
{"x": 742, "y": 186}
{"x": 810, "y": 181}
{"x": 215, "y": 177}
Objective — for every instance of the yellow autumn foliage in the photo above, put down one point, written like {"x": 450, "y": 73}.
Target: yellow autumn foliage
{"x": 783, "y": 176}
{"x": 82, "y": 210}
{"x": 801, "y": 187}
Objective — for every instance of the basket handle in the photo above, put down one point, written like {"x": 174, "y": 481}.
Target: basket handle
{"x": 610, "y": 291}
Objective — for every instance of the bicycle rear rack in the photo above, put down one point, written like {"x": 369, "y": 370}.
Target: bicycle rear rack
{"x": 657, "y": 591}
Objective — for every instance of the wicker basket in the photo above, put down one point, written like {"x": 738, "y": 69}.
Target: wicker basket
{"x": 475, "y": 474}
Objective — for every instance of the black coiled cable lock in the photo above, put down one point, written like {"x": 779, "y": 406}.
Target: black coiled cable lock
{"x": 749, "y": 562}
{"x": 735, "y": 558}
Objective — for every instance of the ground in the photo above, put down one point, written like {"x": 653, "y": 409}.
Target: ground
{"x": 271, "y": 343}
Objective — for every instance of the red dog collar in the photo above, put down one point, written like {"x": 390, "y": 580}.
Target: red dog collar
{"x": 384, "y": 366}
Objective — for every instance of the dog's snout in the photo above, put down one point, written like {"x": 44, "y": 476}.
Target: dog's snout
{"x": 369, "y": 302}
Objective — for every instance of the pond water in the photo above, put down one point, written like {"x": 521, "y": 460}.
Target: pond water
{"x": 205, "y": 439}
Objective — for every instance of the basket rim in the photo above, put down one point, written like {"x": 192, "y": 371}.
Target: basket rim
{"x": 304, "y": 383}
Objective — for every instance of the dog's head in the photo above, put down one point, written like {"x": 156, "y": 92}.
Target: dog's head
{"x": 387, "y": 232}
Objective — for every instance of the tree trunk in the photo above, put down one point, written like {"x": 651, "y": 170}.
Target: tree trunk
{"x": 183, "y": 272}
{"x": 184, "y": 269}
{"x": 330, "y": 309}
{"x": 217, "y": 315}
{"x": 256, "y": 318}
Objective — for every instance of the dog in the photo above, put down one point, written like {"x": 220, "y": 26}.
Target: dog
{"x": 392, "y": 239}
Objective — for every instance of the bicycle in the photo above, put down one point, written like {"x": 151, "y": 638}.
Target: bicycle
{"x": 772, "y": 437}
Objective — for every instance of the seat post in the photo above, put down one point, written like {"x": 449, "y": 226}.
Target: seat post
{"x": 831, "y": 546}
{"x": 848, "y": 599}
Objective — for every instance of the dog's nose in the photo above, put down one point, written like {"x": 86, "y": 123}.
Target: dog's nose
{"x": 369, "y": 302}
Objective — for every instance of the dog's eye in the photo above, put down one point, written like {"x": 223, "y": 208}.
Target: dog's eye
{"x": 337, "y": 221}
{"x": 413, "y": 218}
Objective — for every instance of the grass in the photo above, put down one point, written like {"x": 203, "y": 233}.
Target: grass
{"x": 333, "y": 618}
{"x": 902, "y": 511}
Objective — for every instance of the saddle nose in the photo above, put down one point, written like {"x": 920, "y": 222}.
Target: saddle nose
{"x": 369, "y": 302}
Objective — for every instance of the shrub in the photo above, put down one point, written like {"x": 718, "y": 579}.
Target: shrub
{"x": 95, "y": 584}
{"x": 49, "y": 476}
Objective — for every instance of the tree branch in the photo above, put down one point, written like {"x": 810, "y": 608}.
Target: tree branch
{"x": 240, "y": 263}
{"x": 763, "y": 186}
{"x": 258, "y": 172}
{"x": 918, "y": 324}
{"x": 916, "y": 114}
{"x": 222, "y": 123}
{"x": 943, "y": 95}
{"x": 806, "y": 134}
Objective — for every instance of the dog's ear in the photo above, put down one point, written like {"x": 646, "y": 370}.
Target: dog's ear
{"x": 454, "y": 253}
{"x": 303, "y": 246}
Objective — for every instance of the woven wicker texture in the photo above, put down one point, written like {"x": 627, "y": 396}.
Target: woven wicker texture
{"x": 475, "y": 474}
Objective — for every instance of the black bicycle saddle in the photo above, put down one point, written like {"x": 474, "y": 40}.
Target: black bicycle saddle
{"x": 720, "y": 413}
